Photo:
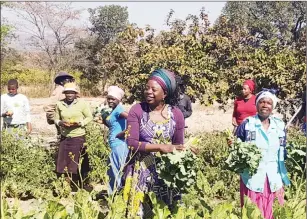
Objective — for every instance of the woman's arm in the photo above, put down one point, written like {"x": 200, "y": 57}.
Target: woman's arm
{"x": 123, "y": 115}
{"x": 87, "y": 114}
{"x": 133, "y": 139}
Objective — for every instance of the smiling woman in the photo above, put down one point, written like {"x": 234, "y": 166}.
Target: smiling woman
{"x": 72, "y": 115}
{"x": 116, "y": 122}
{"x": 154, "y": 126}
{"x": 268, "y": 133}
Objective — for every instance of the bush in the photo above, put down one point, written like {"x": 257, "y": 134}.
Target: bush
{"x": 98, "y": 152}
{"x": 27, "y": 169}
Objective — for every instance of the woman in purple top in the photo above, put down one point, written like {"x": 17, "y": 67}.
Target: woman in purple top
{"x": 154, "y": 126}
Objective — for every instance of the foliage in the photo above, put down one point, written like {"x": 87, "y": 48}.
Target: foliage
{"x": 98, "y": 152}
{"x": 267, "y": 20}
{"x": 106, "y": 23}
{"x": 215, "y": 189}
{"x": 214, "y": 60}
{"x": 177, "y": 169}
{"x": 296, "y": 152}
{"x": 243, "y": 156}
{"x": 26, "y": 167}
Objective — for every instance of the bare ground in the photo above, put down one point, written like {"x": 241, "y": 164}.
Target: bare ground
{"x": 203, "y": 119}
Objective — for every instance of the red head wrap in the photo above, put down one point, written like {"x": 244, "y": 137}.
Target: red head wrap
{"x": 250, "y": 84}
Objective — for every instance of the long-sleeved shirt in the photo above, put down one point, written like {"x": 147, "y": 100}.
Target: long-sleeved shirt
{"x": 19, "y": 105}
{"x": 272, "y": 144}
{"x": 78, "y": 111}
{"x": 133, "y": 123}
{"x": 185, "y": 105}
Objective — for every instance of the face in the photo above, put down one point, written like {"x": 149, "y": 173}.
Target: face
{"x": 112, "y": 101}
{"x": 70, "y": 95}
{"x": 246, "y": 90}
{"x": 265, "y": 107}
{"x": 12, "y": 89}
{"x": 154, "y": 93}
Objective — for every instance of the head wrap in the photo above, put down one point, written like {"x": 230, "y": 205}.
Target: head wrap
{"x": 116, "y": 92}
{"x": 268, "y": 93}
{"x": 70, "y": 87}
{"x": 250, "y": 84}
{"x": 166, "y": 79}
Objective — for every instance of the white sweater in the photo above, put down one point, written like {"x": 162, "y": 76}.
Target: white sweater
{"x": 19, "y": 105}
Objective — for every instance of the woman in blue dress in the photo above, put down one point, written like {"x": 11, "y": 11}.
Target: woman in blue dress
{"x": 116, "y": 122}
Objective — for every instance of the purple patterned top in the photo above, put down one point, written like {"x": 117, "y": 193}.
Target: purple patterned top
{"x": 140, "y": 125}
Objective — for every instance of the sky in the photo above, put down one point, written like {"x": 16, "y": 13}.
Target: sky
{"x": 154, "y": 13}
{"x": 141, "y": 13}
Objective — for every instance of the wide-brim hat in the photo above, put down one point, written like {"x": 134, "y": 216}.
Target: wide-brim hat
{"x": 60, "y": 77}
{"x": 70, "y": 87}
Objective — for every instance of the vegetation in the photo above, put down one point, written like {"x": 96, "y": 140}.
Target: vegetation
{"x": 214, "y": 59}
{"x": 216, "y": 187}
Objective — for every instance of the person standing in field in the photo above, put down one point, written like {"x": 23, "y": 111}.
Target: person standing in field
{"x": 268, "y": 133}
{"x": 72, "y": 115}
{"x": 155, "y": 125}
{"x": 60, "y": 80}
{"x": 184, "y": 104}
{"x": 116, "y": 122}
{"x": 15, "y": 109}
{"x": 244, "y": 106}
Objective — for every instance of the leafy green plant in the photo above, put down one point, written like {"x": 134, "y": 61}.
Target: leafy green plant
{"x": 243, "y": 156}
{"x": 177, "y": 169}
{"x": 98, "y": 152}
{"x": 27, "y": 169}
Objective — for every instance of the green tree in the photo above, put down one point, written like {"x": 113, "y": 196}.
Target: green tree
{"x": 267, "y": 20}
{"x": 106, "y": 23}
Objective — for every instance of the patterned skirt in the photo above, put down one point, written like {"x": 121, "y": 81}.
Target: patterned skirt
{"x": 141, "y": 178}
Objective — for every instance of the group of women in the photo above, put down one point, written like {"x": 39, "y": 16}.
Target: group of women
{"x": 156, "y": 125}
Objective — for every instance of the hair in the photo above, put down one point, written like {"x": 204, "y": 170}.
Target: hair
{"x": 12, "y": 82}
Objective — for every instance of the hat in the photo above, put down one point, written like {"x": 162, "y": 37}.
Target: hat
{"x": 116, "y": 92}
{"x": 60, "y": 77}
{"x": 70, "y": 87}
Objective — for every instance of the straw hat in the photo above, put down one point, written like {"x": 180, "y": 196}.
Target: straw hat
{"x": 70, "y": 87}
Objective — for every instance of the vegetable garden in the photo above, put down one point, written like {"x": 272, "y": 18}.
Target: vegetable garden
{"x": 28, "y": 172}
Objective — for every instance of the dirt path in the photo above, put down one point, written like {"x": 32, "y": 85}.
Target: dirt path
{"x": 203, "y": 119}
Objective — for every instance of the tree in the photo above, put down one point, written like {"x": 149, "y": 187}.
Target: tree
{"x": 50, "y": 30}
{"x": 107, "y": 22}
{"x": 266, "y": 20}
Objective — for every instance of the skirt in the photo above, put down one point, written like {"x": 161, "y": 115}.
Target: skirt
{"x": 117, "y": 161}
{"x": 70, "y": 151}
{"x": 264, "y": 200}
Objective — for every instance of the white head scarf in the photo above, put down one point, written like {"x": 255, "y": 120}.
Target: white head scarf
{"x": 116, "y": 92}
{"x": 268, "y": 94}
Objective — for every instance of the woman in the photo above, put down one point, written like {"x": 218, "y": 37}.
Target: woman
{"x": 116, "y": 122}
{"x": 154, "y": 126}
{"x": 268, "y": 133}
{"x": 72, "y": 115}
{"x": 244, "y": 106}
{"x": 60, "y": 80}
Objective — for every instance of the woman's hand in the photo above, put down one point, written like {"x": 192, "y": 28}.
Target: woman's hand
{"x": 195, "y": 150}
{"x": 168, "y": 148}
{"x": 64, "y": 124}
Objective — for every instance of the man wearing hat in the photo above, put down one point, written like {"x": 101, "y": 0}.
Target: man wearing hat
{"x": 184, "y": 103}
{"x": 60, "y": 80}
